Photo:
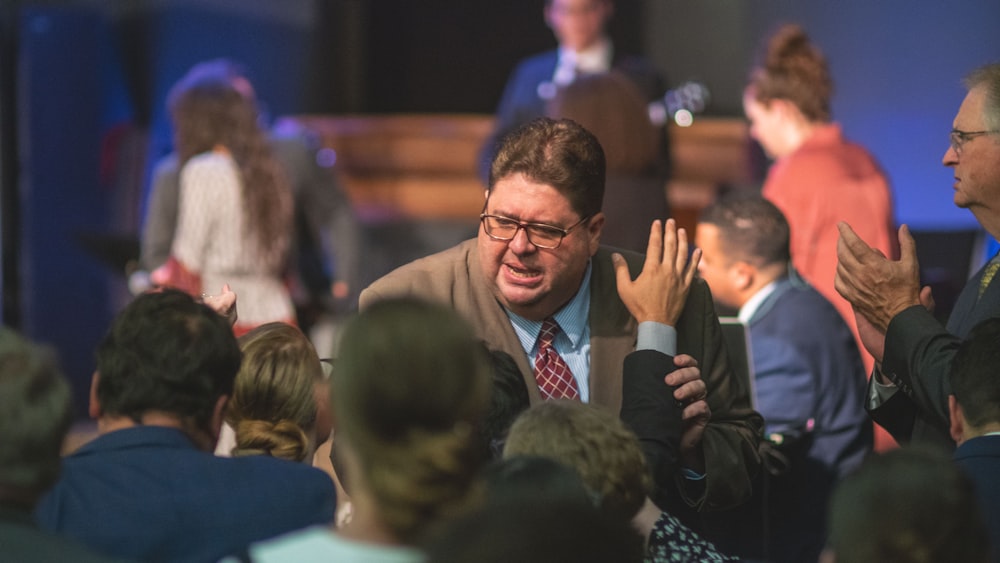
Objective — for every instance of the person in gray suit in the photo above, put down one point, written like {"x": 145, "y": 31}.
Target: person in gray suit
{"x": 908, "y": 393}
{"x": 538, "y": 260}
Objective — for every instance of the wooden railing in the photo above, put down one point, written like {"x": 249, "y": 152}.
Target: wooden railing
{"x": 425, "y": 166}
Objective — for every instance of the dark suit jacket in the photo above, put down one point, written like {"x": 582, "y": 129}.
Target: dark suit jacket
{"x": 147, "y": 493}
{"x": 980, "y": 459}
{"x": 454, "y": 277}
{"x": 650, "y": 410}
{"x": 918, "y": 356}
{"x": 22, "y": 541}
{"x": 810, "y": 386}
{"x": 521, "y": 101}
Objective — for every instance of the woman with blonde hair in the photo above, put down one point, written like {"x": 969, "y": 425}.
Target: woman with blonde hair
{"x": 235, "y": 209}
{"x": 411, "y": 387}
{"x": 275, "y": 406}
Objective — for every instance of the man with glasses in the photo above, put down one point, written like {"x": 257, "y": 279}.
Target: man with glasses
{"x": 908, "y": 393}
{"x": 537, "y": 284}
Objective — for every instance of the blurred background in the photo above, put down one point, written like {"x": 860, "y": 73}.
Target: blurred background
{"x": 401, "y": 93}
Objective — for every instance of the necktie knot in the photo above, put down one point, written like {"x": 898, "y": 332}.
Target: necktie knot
{"x": 988, "y": 274}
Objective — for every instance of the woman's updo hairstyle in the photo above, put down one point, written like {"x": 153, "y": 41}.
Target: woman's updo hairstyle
{"x": 273, "y": 408}
{"x": 793, "y": 69}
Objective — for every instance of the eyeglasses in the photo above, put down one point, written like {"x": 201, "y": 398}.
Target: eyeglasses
{"x": 959, "y": 138}
{"x": 503, "y": 228}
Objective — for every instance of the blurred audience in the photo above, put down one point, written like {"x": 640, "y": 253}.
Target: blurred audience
{"x": 325, "y": 252}
{"x": 411, "y": 385}
{"x": 148, "y": 487}
{"x": 908, "y": 505}
{"x": 608, "y": 457}
{"x": 234, "y": 217}
{"x": 35, "y": 414}
{"x": 612, "y": 107}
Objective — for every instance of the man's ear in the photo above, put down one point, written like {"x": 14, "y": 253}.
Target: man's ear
{"x": 94, "y": 407}
{"x": 594, "y": 228}
{"x": 742, "y": 275}
{"x": 957, "y": 420}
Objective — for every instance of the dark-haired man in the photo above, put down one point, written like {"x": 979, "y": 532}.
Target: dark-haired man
{"x": 974, "y": 408}
{"x": 148, "y": 487}
{"x": 808, "y": 375}
{"x": 537, "y": 284}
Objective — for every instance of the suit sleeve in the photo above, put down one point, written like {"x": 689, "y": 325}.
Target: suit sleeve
{"x": 918, "y": 356}
{"x": 731, "y": 439}
{"x": 650, "y": 410}
{"x": 161, "y": 215}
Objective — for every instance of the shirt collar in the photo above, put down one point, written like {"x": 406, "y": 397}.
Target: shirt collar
{"x": 750, "y": 307}
{"x": 592, "y": 60}
{"x": 572, "y": 318}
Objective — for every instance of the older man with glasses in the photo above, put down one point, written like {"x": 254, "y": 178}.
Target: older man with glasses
{"x": 908, "y": 393}
{"x": 537, "y": 284}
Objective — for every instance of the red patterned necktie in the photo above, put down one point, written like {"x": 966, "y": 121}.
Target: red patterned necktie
{"x": 555, "y": 380}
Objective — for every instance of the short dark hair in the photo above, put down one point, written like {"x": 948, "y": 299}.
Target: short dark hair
{"x": 973, "y": 374}
{"x": 910, "y": 504}
{"x": 560, "y": 153}
{"x": 169, "y": 353}
{"x": 752, "y": 229}
{"x": 508, "y": 399}
{"x": 35, "y": 414}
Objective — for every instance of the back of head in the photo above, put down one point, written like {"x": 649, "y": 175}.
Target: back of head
{"x": 35, "y": 414}
{"x": 532, "y": 477}
{"x": 793, "y": 69}
{"x": 273, "y": 407}
{"x": 987, "y": 77}
{"x": 412, "y": 384}
{"x": 613, "y": 108}
{"x": 559, "y": 153}
{"x": 528, "y": 531}
{"x": 508, "y": 399}
{"x": 751, "y": 229}
{"x": 973, "y": 374}
{"x": 165, "y": 352}
{"x": 908, "y": 505}
{"x": 593, "y": 441}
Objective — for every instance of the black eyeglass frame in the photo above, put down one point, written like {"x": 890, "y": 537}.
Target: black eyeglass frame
{"x": 526, "y": 227}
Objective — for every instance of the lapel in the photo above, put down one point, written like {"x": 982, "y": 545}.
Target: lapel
{"x": 781, "y": 286}
{"x": 612, "y": 329}
{"x": 970, "y": 309}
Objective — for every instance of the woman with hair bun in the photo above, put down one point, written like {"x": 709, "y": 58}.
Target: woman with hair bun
{"x": 273, "y": 410}
{"x": 818, "y": 177}
{"x": 411, "y": 387}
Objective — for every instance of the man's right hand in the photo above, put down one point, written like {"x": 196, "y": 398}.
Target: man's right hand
{"x": 660, "y": 291}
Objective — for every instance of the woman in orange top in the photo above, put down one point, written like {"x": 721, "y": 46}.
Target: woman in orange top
{"x": 818, "y": 178}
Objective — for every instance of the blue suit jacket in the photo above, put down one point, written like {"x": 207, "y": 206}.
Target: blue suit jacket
{"x": 521, "y": 101}
{"x": 980, "y": 458}
{"x": 810, "y": 383}
{"x": 148, "y": 494}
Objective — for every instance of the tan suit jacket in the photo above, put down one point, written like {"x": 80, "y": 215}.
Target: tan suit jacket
{"x": 454, "y": 277}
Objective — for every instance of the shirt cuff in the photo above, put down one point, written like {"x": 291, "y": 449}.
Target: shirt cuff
{"x": 657, "y": 336}
{"x": 879, "y": 392}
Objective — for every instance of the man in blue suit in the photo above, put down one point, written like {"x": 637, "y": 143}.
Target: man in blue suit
{"x": 584, "y": 48}
{"x": 809, "y": 379}
{"x": 974, "y": 409}
{"x": 148, "y": 487}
